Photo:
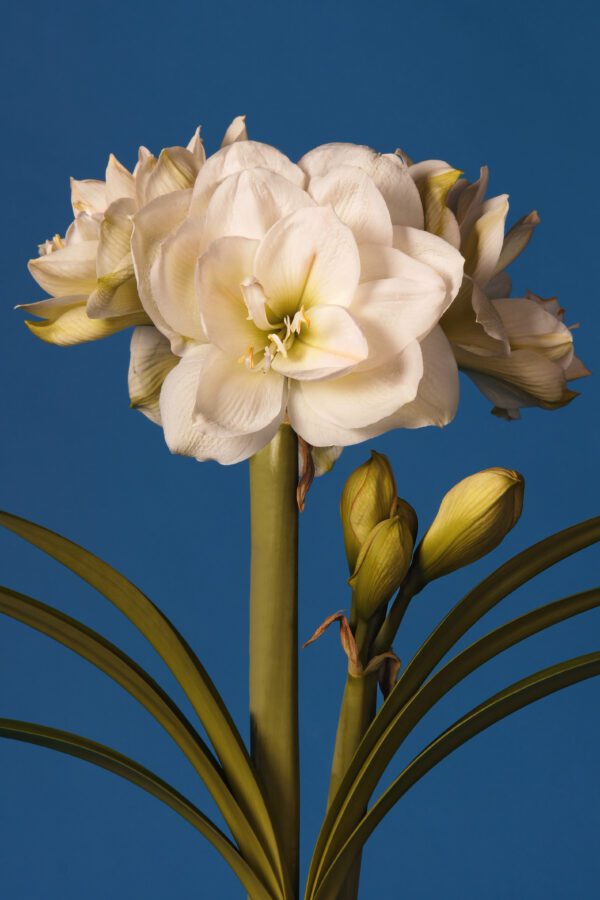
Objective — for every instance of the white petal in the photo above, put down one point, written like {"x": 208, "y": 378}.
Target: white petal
{"x": 346, "y": 410}
{"x": 236, "y": 131}
{"x": 235, "y": 158}
{"x": 173, "y": 280}
{"x": 120, "y": 183}
{"x": 88, "y": 196}
{"x": 151, "y": 226}
{"x": 484, "y": 243}
{"x": 221, "y": 271}
{"x": 174, "y": 170}
{"x": 377, "y": 262}
{"x": 389, "y": 172}
{"x": 234, "y": 400}
{"x": 526, "y": 376}
{"x": 83, "y": 228}
{"x": 433, "y": 251}
{"x": 331, "y": 343}
{"x": 466, "y": 200}
{"x": 249, "y": 203}
{"x": 356, "y": 201}
{"x": 517, "y": 239}
{"x": 256, "y": 302}
{"x": 70, "y": 270}
{"x": 396, "y": 311}
{"x": 473, "y": 322}
{"x": 150, "y": 362}
{"x": 183, "y": 436}
{"x": 114, "y": 248}
{"x": 529, "y": 326}
{"x": 306, "y": 259}
{"x": 437, "y": 397}
{"x": 196, "y": 148}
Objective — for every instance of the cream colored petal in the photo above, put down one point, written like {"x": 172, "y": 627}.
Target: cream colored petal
{"x": 438, "y": 393}
{"x": 83, "y": 228}
{"x": 151, "y": 226}
{"x": 307, "y": 259}
{"x": 466, "y": 201}
{"x": 120, "y": 183}
{"x": 517, "y": 239}
{"x": 330, "y": 343}
{"x": 173, "y": 280}
{"x": 473, "y": 323}
{"x": 356, "y": 201}
{"x": 434, "y": 179}
{"x": 70, "y": 270}
{"x": 235, "y": 158}
{"x": 483, "y": 244}
{"x": 499, "y": 286}
{"x": 529, "y": 376}
{"x": 388, "y": 171}
{"x": 576, "y": 369}
{"x": 530, "y": 327}
{"x": 177, "y": 400}
{"x": 66, "y": 321}
{"x": 115, "y": 295}
{"x": 196, "y": 148}
{"x": 174, "y": 170}
{"x": 88, "y": 196}
{"x": 114, "y": 248}
{"x": 337, "y": 410}
{"x": 233, "y": 399}
{"x": 256, "y": 303}
{"x": 236, "y": 131}
{"x": 150, "y": 362}
{"x": 249, "y": 203}
{"x": 221, "y": 271}
{"x": 394, "y": 312}
{"x": 432, "y": 251}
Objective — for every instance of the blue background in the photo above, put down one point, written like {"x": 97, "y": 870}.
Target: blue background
{"x": 515, "y": 813}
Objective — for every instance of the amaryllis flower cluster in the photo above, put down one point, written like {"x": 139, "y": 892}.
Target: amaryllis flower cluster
{"x": 338, "y": 294}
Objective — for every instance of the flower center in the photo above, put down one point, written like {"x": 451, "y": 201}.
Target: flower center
{"x": 280, "y": 341}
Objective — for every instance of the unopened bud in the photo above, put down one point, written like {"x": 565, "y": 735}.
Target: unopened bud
{"x": 408, "y": 514}
{"x": 381, "y": 567}
{"x": 473, "y": 518}
{"x": 368, "y": 498}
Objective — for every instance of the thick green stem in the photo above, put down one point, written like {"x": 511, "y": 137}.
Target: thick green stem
{"x": 274, "y": 637}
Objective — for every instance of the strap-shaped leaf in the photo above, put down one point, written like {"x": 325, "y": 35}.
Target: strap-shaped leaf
{"x": 366, "y": 780}
{"x": 507, "y": 578}
{"x": 122, "y": 669}
{"x": 513, "y": 698}
{"x": 182, "y": 661}
{"x": 109, "y": 759}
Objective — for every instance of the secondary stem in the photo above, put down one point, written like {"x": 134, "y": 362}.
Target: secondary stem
{"x": 274, "y": 636}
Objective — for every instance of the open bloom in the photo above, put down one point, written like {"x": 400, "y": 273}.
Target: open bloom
{"x": 89, "y": 273}
{"x": 518, "y": 351}
{"x": 305, "y": 293}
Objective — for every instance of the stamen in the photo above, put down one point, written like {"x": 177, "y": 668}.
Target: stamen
{"x": 248, "y": 358}
{"x": 278, "y": 343}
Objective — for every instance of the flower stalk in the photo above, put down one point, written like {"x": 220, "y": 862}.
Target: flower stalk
{"x": 274, "y": 637}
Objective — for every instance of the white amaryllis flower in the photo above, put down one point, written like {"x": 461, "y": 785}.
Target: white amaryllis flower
{"x": 518, "y": 351}
{"x": 89, "y": 272}
{"x": 305, "y": 293}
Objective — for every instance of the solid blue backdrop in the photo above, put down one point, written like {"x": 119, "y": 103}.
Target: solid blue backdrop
{"x": 513, "y": 814}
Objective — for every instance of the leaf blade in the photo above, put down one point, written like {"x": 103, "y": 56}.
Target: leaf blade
{"x": 513, "y": 698}
{"x": 112, "y": 761}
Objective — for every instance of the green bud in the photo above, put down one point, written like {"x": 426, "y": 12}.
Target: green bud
{"x": 367, "y": 499}
{"x": 473, "y": 518}
{"x": 382, "y": 564}
{"x": 406, "y": 512}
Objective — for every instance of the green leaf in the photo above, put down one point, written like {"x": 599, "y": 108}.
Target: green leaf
{"x": 514, "y": 573}
{"x": 114, "y": 663}
{"x": 181, "y": 660}
{"x": 366, "y": 779}
{"x": 109, "y": 759}
{"x": 513, "y": 698}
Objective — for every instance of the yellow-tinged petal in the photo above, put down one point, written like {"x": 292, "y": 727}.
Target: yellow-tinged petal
{"x": 150, "y": 362}
{"x": 88, "y": 196}
{"x": 483, "y": 244}
{"x": 517, "y": 239}
{"x": 434, "y": 180}
{"x": 67, "y": 271}
{"x": 66, "y": 321}
{"x": 120, "y": 183}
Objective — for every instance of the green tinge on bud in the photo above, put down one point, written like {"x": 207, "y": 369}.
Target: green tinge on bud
{"x": 473, "y": 518}
{"x": 367, "y": 499}
{"x": 408, "y": 514}
{"x": 382, "y": 564}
